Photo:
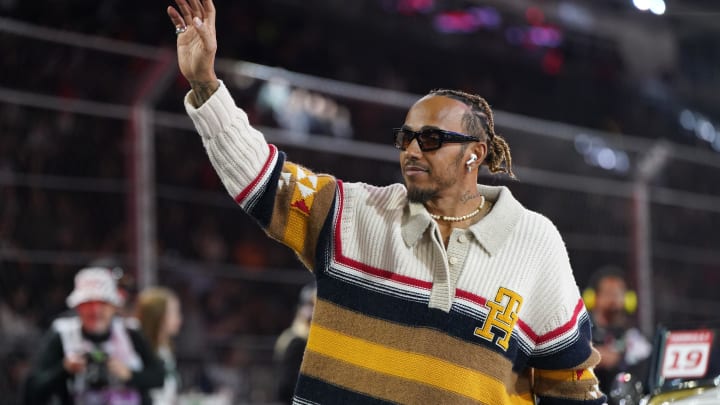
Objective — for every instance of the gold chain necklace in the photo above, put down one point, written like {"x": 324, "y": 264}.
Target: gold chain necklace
{"x": 461, "y": 218}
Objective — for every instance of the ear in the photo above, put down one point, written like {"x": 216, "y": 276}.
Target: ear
{"x": 480, "y": 149}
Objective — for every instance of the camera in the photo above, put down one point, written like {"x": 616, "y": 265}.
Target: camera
{"x": 96, "y": 371}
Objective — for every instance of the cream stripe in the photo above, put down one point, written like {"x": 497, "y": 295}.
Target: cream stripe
{"x": 412, "y": 366}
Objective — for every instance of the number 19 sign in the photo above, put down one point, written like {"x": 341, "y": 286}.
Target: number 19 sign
{"x": 687, "y": 354}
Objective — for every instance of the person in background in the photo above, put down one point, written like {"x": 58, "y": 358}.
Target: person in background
{"x": 125, "y": 281}
{"x": 94, "y": 357}
{"x": 290, "y": 346}
{"x": 622, "y": 347}
{"x": 160, "y": 318}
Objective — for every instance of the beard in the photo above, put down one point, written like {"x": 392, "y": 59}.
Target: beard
{"x": 419, "y": 195}
{"x": 444, "y": 180}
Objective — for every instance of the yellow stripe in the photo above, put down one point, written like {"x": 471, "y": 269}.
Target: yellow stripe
{"x": 412, "y": 366}
{"x": 565, "y": 375}
{"x": 296, "y": 230}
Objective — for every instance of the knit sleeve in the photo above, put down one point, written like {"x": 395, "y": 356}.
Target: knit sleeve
{"x": 290, "y": 202}
{"x": 563, "y": 358}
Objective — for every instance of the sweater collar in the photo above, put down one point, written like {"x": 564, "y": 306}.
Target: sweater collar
{"x": 491, "y": 232}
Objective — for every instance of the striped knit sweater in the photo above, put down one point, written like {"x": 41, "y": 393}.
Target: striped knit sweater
{"x": 494, "y": 318}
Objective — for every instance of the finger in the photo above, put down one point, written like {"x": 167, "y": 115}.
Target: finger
{"x": 186, "y": 11}
{"x": 197, "y": 9}
{"x": 175, "y": 17}
{"x": 209, "y": 7}
{"x": 201, "y": 28}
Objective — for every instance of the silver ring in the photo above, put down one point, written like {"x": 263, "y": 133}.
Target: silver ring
{"x": 180, "y": 30}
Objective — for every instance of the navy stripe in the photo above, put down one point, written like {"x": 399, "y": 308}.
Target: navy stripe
{"x": 312, "y": 389}
{"x": 564, "y": 401}
{"x": 323, "y": 251}
{"x": 362, "y": 281}
{"x": 409, "y": 312}
{"x": 414, "y": 314}
{"x": 262, "y": 209}
{"x": 567, "y": 340}
{"x": 570, "y": 356}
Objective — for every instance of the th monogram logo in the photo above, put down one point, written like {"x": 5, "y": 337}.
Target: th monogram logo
{"x": 503, "y": 315}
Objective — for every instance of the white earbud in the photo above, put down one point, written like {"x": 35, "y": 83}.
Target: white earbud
{"x": 473, "y": 158}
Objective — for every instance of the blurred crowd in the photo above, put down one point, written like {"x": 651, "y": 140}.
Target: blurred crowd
{"x": 339, "y": 46}
{"x": 63, "y": 196}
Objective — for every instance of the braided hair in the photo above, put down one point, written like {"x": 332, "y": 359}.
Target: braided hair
{"x": 479, "y": 122}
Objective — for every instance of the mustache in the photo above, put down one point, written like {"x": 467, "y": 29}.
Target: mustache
{"x": 415, "y": 163}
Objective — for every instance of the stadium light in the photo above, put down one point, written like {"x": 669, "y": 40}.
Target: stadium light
{"x": 642, "y": 5}
{"x": 657, "y": 7}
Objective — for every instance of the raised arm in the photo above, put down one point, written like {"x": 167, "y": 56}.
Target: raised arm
{"x": 290, "y": 202}
{"x": 194, "y": 22}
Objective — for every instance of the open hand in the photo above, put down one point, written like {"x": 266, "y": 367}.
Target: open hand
{"x": 196, "y": 46}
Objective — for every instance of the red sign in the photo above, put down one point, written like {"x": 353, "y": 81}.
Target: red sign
{"x": 687, "y": 354}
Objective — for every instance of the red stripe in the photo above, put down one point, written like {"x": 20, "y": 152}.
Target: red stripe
{"x": 471, "y": 297}
{"x": 555, "y": 332}
{"x": 537, "y": 339}
{"x": 388, "y": 275}
{"x": 240, "y": 197}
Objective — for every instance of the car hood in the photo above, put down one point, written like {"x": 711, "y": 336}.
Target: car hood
{"x": 709, "y": 396}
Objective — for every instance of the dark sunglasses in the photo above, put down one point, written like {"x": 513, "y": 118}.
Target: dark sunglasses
{"x": 429, "y": 139}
